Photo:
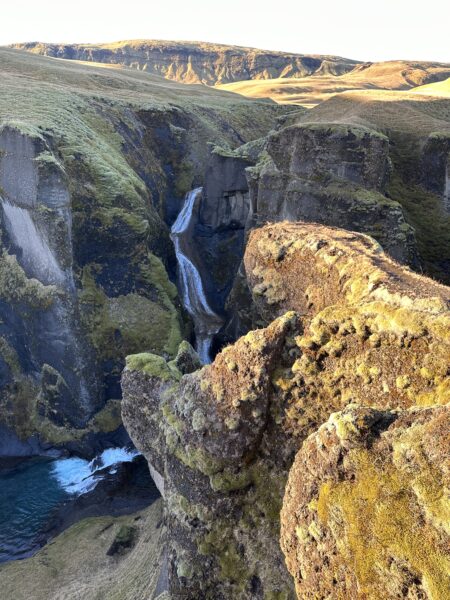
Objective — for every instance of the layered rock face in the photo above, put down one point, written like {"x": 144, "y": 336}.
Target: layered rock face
{"x": 359, "y": 330}
{"x": 223, "y": 215}
{"x": 198, "y": 62}
{"x": 332, "y": 174}
{"x": 336, "y": 175}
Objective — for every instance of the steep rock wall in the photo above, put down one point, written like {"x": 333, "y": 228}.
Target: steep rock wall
{"x": 360, "y": 329}
{"x": 336, "y": 175}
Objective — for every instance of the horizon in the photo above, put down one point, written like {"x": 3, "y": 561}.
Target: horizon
{"x": 216, "y": 43}
{"x": 350, "y": 30}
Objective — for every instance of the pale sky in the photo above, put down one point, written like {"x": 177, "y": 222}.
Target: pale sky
{"x": 360, "y": 29}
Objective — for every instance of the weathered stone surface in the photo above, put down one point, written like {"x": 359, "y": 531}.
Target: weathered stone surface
{"x": 335, "y": 175}
{"x": 366, "y": 510}
{"x": 223, "y": 213}
{"x": 359, "y": 329}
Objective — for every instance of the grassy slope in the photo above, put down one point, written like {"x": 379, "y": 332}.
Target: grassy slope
{"x": 75, "y": 564}
{"x": 439, "y": 88}
{"x": 310, "y": 91}
{"x": 32, "y": 86}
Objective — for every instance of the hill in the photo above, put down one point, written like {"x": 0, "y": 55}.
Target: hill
{"x": 197, "y": 62}
{"x": 310, "y": 91}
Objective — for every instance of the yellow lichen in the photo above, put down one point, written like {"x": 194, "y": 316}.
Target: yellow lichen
{"x": 383, "y": 521}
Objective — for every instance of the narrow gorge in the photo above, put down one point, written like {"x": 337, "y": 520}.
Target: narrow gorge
{"x": 224, "y": 327}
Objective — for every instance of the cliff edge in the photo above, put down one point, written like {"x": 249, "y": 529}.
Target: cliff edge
{"x": 348, "y": 329}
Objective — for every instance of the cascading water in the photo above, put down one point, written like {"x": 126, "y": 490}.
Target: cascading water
{"x": 206, "y": 321}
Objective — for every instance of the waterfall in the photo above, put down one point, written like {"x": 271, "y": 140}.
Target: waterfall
{"x": 206, "y": 321}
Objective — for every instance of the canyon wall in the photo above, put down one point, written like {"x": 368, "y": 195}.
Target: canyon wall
{"x": 87, "y": 267}
{"x": 346, "y": 327}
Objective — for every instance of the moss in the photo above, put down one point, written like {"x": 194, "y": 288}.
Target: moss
{"x": 129, "y": 323}
{"x": 383, "y": 520}
{"x": 232, "y": 566}
{"x": 282, "y": 595}
{"x": 185, "y": 569}
{"x": 16, "y": 287}
{"x": 153, "y": 365}
{"x": 10, "y": 356}
{"x": 198, "y": 459}
{"x": 424, "y": 211}
{"x": 228, "y": 480}
{"x": 109, "y": 418}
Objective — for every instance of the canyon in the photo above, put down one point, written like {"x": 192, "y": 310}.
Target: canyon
{"x": 252, "y": 293}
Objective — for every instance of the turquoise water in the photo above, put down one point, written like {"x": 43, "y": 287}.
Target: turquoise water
{"x": 34, "y": 488}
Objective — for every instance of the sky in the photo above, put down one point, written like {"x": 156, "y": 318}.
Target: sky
{"x": 368, "y": 30}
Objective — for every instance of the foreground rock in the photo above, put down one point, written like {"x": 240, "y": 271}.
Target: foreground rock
{"x": 365, "y": 513}
{"x": 359, "y": 329}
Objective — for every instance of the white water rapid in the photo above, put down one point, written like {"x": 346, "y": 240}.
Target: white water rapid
{"x": 206, "y": 321}
{"x": 78, "y": 476}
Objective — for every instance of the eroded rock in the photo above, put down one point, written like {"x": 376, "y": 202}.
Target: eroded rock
{"x": 365, "y": 513}
{"x": 346, "y": 325}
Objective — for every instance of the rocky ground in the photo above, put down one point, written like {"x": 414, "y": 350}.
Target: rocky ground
{"x": 359, "y": 331}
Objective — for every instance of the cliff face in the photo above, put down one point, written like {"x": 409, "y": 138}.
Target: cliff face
{"x": 359, "y": 329}
{"x": 336, "y": 175}
{"x": 87, "y": 183}
{"x": 332, "y": 174}
{"x": 198, "y": 62}
{"x": 435, "y": 167}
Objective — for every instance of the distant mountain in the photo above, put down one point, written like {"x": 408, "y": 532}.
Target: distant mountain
{"x": 198, "y": 62}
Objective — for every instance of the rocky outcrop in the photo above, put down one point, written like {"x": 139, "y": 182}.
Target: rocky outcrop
{"x": 223, "y": 214}
{"x": 435, "y": 167}
{"x": 336, "y": 175}
{"x": 365, "y": 512}
{"x": 198, "y": 62}
{"x": 359, "y": 329}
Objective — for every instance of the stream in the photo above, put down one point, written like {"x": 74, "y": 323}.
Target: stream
{"x": 206, "y": 321}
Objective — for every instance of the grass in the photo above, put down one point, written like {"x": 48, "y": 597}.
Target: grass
{"x": 54, "y": 572}
{"x": 310, "y": 91}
